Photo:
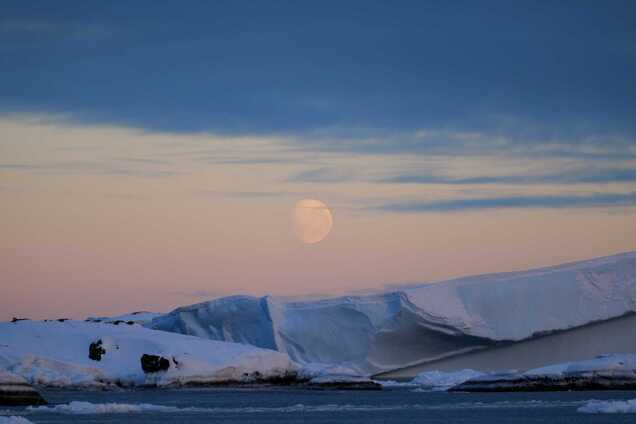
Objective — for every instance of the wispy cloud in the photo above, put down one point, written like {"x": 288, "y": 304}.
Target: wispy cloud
{"x": 569, "y": 177}
{"x": 249, "y": 194}
{"x": 321, "y": 175}
{"x": 520, "y": 202}
{"x": 115, "y": 167}
{"x": 520, "y": 140}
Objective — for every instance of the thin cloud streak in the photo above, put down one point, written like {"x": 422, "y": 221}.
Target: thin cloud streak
{"x": 571, "y": 177}
{"x": 516, "y": 202}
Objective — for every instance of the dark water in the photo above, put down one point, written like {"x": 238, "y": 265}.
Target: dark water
{"x": 300, "y": 406}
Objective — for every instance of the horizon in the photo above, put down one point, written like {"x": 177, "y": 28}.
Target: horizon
{"x": 152, "y": 155}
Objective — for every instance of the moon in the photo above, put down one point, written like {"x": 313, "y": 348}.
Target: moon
{"x": 311, "y": 221}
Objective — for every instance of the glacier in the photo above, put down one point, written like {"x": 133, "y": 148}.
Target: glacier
{"x": 422, "y": 327}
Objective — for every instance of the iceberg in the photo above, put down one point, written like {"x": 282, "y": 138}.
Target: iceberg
{"x": 481, "y": 322}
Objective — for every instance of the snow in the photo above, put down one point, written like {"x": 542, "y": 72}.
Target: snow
{"x": 56, "y": 354}
{"x": 516, "y": 305}
{"x": 393, "y": 383}
{"x": 607, "y": 364}
{"x": 7, "y": 377}
{"x": 439, "y": 380}
{"x": 609, "y": 407}
{"x": 14, "y": 420}
{"x": 316, "y": 370}
{"x": 88, "y": 408}
{"x": 419, "y": 323}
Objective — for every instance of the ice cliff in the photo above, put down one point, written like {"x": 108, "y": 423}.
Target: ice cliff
{"x": 419, "y": 323}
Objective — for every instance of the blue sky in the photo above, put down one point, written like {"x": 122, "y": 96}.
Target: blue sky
{"x": 526, "y": 69}
{"x": 464, "y": 79}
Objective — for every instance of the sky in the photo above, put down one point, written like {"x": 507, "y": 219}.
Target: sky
{"x": 151, "y": 152}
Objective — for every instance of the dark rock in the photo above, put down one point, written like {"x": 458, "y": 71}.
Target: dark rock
{"x": 576, "y": 381}
{"x": 15, "y": 391}
{"x": 343, "y": 382}
{"x": 19, "y": 319}
{"x": 62, "y": 319}
{"x": 19, "y": 395}
{"x": 130, "y": 322}
{"x": 154, "y": 363}
{"x": 96, "y": 350}
{"x": 116, "y": 322}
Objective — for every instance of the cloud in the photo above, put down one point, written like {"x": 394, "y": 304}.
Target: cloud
{"x": 518, "y": 202}
{"x": 520, "y": 140}
{"x": 604, "y": 176}
{"x": 114, "y": 168}
{"x": 321, "y": 175}
{"x": 248, "y": 194}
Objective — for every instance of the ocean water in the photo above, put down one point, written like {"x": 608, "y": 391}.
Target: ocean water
{"x": 279, "y": 406}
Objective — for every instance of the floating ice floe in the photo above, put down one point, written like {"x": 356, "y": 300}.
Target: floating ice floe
{"x": 609, "y": 407}
{"x": 14, "y": 420}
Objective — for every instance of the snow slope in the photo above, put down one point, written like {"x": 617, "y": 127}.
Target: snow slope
{"x": 514, "y": 306}
{"x": 419, "y": 323}
{"x": 56, "y": 354}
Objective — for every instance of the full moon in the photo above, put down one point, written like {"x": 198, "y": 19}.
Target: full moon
{"x": 311, "y": 221}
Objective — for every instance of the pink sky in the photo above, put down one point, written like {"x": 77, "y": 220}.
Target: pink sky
{"x": 106, "y": 220}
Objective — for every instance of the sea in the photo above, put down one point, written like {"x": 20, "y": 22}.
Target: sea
{"x": 279, "y": 406}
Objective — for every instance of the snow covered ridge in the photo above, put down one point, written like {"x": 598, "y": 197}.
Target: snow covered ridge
{"x": 57, "y": 354}
{"x": 419, "y": 323}
{"x": 605, "y": 372}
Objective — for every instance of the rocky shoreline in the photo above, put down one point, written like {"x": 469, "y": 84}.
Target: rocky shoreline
{"x": 15, "y": 391}
{"x": 529, "y": 383}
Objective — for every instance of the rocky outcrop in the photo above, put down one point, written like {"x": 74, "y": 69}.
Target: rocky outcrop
{"x": 15, "y": 391}
{"x": 342, "y": 382}
{"x": 154, "y": 363}
{"x": 543, "y": 383}
{"x": 96, "y": 350}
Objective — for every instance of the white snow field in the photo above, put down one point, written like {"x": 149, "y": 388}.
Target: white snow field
{"x": 57, "y": 354}
{"x": 419, "y": 327}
